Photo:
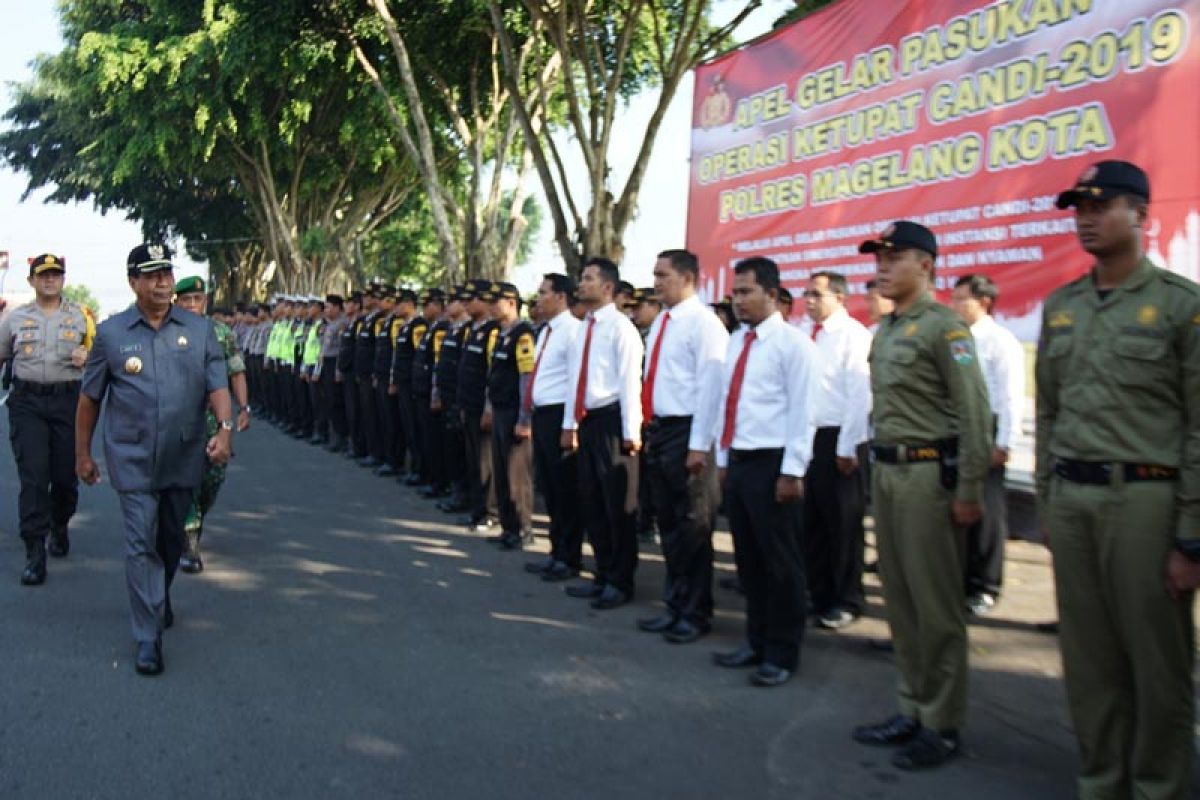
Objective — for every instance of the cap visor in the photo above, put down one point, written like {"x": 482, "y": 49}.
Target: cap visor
{"x": 48, "y": 268}
{"x": 871, "y": 246}
{"x": 153, "y": 266}
{"x": 1067, "y": 199}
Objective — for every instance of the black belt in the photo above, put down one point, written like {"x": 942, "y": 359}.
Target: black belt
{"x": 602, "y": 411}
{"x": 1100, "y": 473}
{"x": 906, "y": 453}
{"x": 549, "y": 407}
{"x": 683, "y": 419}
{"x": 45, "y": 389}
{"x": 741, "y": 456}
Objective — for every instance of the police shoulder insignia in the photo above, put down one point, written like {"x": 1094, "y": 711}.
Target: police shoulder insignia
{"x": 961, "y": 352}
{"x": 957, "y": 333}
{"x": 1061, "y": 319}
{"x": 525, "y": 353}
{"x": 911, "y": 329}
{"x": 1147, "y": 315}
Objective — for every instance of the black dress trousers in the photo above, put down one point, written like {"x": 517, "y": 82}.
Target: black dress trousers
{"x": 686, "y": 506}
{"x": 833, "y": 529}
{"x": 558, "y": 478}
{"x": 605, "y": 477}
{"x": 767, "y": 550}
{"x": 512, "y": 473}
{"x": 41, "y": 423}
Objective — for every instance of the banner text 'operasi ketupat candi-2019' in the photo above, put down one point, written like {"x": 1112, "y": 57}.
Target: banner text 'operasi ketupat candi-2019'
{"x": 971, "y": 121}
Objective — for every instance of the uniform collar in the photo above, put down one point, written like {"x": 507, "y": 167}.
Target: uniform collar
{"x": 685, "y": 306}
{"x": 834, "y": 321}
{"x": 560, "y": 319}
{"x": 1136, "y": 280}
{"x": 919, "y": 306}
{"x": 765, "y": 329}
{"x": 134, "y": 316}
{"x": 606, "y": 311}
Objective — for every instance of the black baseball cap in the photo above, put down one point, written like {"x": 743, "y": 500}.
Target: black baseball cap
{"x": 406, "y": 295}
{"x": 149, "y": 257}
{"x": 1107, "y": 179}
{"x": 508, "y": 291}
{"x": 432, "y": 296}
{"x": 902, "y": 235}
{"x": 46, "y": 262}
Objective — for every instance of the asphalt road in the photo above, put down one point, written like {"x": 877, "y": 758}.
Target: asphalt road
{"x": 346, "y": 641}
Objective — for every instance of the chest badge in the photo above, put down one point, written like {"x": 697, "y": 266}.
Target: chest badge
{"x": 133, "y": 365}
{"x": 911, "y": 329}
{"x": 182, "y": 341}
{"x": 1147, "y": 315}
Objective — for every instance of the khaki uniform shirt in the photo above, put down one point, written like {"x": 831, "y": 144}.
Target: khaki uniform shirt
{"x": 927, "y": 386}
{"x": 1118, "y": 380}
{"x": 40, "y": 344}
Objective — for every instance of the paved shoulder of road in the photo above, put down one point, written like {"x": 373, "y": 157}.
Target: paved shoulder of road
{"x": 346, "y": 639}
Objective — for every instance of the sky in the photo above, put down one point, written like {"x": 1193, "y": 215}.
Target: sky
{"x": 95, "y": 245}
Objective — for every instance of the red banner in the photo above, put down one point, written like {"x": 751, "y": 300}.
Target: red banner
{"x": 968, "y": 117}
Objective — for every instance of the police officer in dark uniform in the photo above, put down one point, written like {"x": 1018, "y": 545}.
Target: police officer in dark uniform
{"x": 474, "y": 363}
{"x": 429, "y": 427}
{"x": 344, "y": 375}
{"x": 512, "y": 452}
{"x": 444, "y": 398}
{"x": 386, "y": 328}
{"x": 405, "y": 341}
{"x": 364, "y": 373}
{"x": 48, "y": 341}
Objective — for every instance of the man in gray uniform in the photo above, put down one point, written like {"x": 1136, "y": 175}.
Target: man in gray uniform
{"x": 159, "y": 366}
{"x": 47, "y": 340}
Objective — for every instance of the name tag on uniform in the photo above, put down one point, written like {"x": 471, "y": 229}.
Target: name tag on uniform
{"x": 130, "y": 348}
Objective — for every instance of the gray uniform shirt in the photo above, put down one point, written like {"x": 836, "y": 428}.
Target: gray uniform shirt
{"x": 157, "y": 384}
{"x": 40, "y": 344}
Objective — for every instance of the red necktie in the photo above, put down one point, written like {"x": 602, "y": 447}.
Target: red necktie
{"x": 816, "y": 329}
{"x": 581, "y": 384}
{"x": 735, "y": 392}
{"x": 648, "y": 386}
{"x": 528, "y": 404}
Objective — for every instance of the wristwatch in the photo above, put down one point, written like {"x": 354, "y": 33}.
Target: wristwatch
{"x": 226, "y": 424}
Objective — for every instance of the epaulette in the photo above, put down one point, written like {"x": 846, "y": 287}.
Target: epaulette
{"x": 1179, "y": 281}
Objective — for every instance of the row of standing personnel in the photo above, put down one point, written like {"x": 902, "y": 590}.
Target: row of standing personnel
{"x": 1117, "y": 471}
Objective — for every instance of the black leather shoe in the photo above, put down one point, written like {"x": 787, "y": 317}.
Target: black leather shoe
{"x": 434, "y": 492}
{"x": 539, "y": 567}
{"x": 685, "y": 632}
{"x": 742, "y": 657}
{"x": 731, "y": 583}
{"x": 497, "y": 538}
{"x": 512, "y": 541}
{"x": 927, "y": 749}
{"x": 769, "y": 675}
{"x": 60, "y": 541}
{"x": 368, "y": 462}
{"x": 386, "y": 471}
{"x": 895, "y": 730}
{"x": 414, "y": 480}
{"x": 149, "y": 659}
{"x": 191, "y": 563}
{"x": 610, "y": 598}
{"x": 34, "y": 573}
{"x": 559, "y": 572}
{"x": 657, "y": 624}
{"x": 584, "y": 591}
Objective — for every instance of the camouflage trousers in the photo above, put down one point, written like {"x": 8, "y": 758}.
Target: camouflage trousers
{"x": 202, "y": 500}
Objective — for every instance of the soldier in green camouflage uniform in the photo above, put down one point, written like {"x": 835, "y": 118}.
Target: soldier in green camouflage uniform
{"x": 1118, "y": 482}
{"x": 190, "y": 294}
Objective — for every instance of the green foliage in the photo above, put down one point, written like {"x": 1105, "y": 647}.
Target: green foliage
{"x": 801, "y": 9}
{"x": 81, "y": 295}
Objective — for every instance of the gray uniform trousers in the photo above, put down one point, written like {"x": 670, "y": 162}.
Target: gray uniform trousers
{"x": 154, "y": 541}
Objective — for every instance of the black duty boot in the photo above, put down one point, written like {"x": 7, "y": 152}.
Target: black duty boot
{"x": 60, "y": 541}
{"x": 34, "y": 573}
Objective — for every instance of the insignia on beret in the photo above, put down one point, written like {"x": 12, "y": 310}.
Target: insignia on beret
{"x": 50, "y": 259}
{"x": 133, "y": 365}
